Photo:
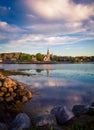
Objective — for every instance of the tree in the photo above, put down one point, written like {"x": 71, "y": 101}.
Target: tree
{"x": 25, "y": 57}
{"x": 55, "y": 58}
{"x": 39, "y": 57}
{"x": 38, "y": 70}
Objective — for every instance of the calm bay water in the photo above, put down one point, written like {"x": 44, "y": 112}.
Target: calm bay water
{"x": 56, "y": 84}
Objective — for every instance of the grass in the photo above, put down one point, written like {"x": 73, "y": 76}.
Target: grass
{"x": 78, "y": 126}
{"x": 11, "y": 72}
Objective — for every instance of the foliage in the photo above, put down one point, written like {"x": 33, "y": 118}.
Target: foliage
{"x": 39, "y": 57}
{"x": 38, "y": 70}
{"x": 25, "y": 57}
{"x": 91, "y": 112}
{"x": 78, "y": 126}
{"x": 10, "y": 72}
{"x": 55, "y": 58}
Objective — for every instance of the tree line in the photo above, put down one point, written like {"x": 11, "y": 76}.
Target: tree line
{"x": 23, "y": 57}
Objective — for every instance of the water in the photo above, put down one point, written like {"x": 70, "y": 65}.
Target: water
{"x": 57, "y": 84}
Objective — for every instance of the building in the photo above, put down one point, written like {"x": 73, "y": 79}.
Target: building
{"x": 1, "y": 60}
{"x": 33, "y": 58}
{"x": 47, "y": 57}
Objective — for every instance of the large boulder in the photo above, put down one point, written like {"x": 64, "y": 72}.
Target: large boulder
{"x": 92, "y": 104}
{"x": 43, "y": 120}
{"x": 80, "y": 109}
{"x": 91, "y": 109}
{"x": 21, "y": 121}
{"x": 62, "y": 114}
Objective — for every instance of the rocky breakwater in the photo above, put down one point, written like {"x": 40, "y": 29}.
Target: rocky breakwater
{"x": 12, "y": 91}
{"x": 13, "y": 96}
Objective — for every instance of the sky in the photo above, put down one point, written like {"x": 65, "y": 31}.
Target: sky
{"x": 65, "y": 27}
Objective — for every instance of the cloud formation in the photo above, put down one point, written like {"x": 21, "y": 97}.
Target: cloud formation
{"x": 4, "y": 26}
{"x": 60, "y": 10}
{"x": 45, "y": 24}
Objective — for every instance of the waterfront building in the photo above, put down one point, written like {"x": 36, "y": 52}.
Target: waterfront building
{"x": 47, "y": 57}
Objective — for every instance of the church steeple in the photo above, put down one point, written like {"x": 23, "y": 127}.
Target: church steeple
{"x": 48, "y": 52}
{"x": 47, "y": 56}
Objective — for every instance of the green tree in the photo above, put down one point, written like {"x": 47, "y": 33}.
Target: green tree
{"x": 25, "y": 57}
{"x": 55, "y": 58}
{"x": 38, "y": 70}
{"x": 39, "y": 57}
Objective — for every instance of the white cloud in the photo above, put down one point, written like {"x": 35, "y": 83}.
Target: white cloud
{"x": 58, "y": 28}
{"x": 4, "y": 26}
{"x": 37, "y": 40}
{"x": 62, "y": 9}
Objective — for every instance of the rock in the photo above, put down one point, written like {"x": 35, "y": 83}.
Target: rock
{"x": 43, "y": 120}
{"x": 3, "y": 126}
{"x": 24, "y": 99}
{"x": 1, "y": 84}
{"x": 91, "y": 111}
{"x": 62, "y": 114}
{"x": 7, "y": 95}
{"x": 3, "y": 89}
{"x": 21, "y": 121}
{"x": 21, "y": 92}
{"x": 13, "y": 94}
{"x": 10, "y": 89}
{"x": 7, "y": 83}
{"x": 2, "y": 76}
{"x": 14, "y": 83}
{"x": 14, "y": 87}
{"x": 9, "y": 99}
{"x": 80, "y": 109}
{"x": 92, "y": 104}
{"x": 29, "y": 94}
{"x": 18, "y": 101}
{"x": 1, "y": 94}
{"x": 1, "y": 99}
{"x": 21, "y": 87}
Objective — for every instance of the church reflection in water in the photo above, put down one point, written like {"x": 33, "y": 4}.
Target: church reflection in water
{"x": 41, "y": 70}
{"x": 48, "y": 72}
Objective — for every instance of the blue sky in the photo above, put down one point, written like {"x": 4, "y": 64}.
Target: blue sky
{"x": 66, "y": 27}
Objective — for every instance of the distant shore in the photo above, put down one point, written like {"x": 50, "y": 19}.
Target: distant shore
{"x": 37, "y": 62}
{"x": 42, "y": 62}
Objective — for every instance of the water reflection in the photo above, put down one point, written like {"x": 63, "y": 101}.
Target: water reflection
{"x": 48, "y": 72}
{"x": 40, "y": 71}
{"x": 56, "y": 91}
{"x": 58, "y": 84}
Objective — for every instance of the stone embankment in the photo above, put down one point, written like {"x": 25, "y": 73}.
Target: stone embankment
{"x": 13, "y": 95}
{"x": 12, "y": 91}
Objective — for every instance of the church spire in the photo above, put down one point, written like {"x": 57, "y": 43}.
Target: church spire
{"x": 48, "y": 52}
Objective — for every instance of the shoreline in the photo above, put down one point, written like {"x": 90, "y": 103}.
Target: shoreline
{"x": 47, "y": 62}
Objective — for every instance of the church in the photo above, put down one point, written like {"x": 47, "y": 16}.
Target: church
{"x": 47, "y": 57}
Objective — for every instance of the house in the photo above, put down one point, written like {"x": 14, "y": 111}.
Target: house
{"x": 33, "y": 58}
{"x": 1, "y": 60}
